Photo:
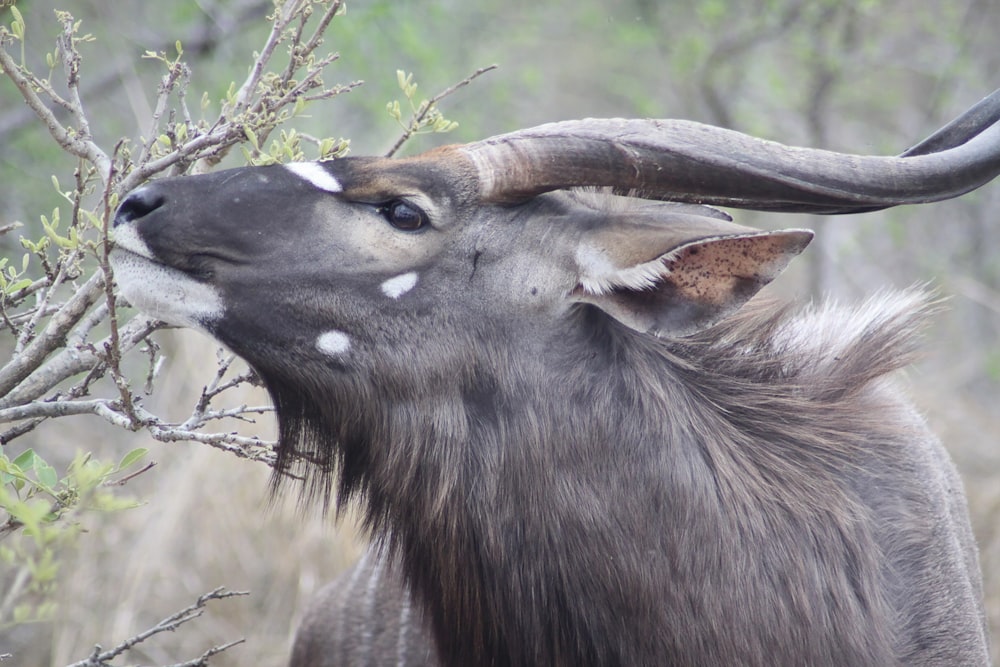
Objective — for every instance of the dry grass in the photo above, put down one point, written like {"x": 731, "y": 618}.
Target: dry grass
{"x": 206, "y": 522}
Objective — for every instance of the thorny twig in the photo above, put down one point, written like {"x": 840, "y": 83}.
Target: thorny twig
{"x": 247, "y": 447}
{"x": 132, "y": 475}
{"x": 102, "y": 658}
{"x": 219, "y": 24}
{"x": 430, "y": 104}
{"x": 78, "y": 145}
{"x": 77, "y": 329}
{"x": 112, "y": 349}
{"x": 65, "y": 323}
{"x": 56, "y": 340}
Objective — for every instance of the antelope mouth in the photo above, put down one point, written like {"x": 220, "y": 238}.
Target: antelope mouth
{"x": 163, "y": 292}
{"x": 127, "y": 240}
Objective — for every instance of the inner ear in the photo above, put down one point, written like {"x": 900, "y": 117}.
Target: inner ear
{"x": 690, "y": 286}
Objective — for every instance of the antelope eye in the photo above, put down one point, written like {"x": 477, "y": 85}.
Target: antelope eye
{"x": 403, "y": 216}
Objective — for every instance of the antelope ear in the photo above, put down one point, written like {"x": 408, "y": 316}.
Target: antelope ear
{"x": 674, "y": 280}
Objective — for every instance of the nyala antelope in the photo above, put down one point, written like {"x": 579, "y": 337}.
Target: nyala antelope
{"x": 536, "y": 363}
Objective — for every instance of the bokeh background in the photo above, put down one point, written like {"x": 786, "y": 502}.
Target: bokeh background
{"x": 872, "y": 76}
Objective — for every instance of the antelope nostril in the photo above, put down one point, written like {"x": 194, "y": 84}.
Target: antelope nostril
{"x": 137, "y": 204}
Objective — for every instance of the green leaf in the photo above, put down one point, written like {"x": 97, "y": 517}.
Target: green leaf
{"x": 252, "y": 137}
{"x": 31, "y": 514}
{"x": 93, "y": 219}
{"x": 47, "y": 476}
{"x": 5, "y": 477}
{"x": 25, "y": 460}
{"x": 18, "y": 25}
{"x": 132, "y": 457}
{"x": 10, "y": 288}
{"x": 45, "y": 568}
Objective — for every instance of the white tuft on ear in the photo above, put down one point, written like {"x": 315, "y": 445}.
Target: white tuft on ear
{"x": 599, "y": 275}
{"x": 316, "y": 175}
{"x": 674, "y": 281}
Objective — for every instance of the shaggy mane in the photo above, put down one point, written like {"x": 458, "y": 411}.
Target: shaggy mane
{"x": 783, "y": 375}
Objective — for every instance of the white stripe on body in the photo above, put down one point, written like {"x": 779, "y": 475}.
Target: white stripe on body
{"x": 371, "y": 595}
{"x": 404, "y": 624}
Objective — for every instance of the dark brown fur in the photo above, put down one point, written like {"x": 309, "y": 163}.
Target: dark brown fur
{"x": 755, "y": 500}
{"x": 554, "y": 470}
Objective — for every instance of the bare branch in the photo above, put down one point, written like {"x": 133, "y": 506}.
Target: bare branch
{"x": 101, "y": 658}
{"x": 167, "y": 85}
{"x": 203, "y": 40}
{"x": 70, "y": 57}
{"x": 336, "y": 8}
{"x": 55, "y": 338}
{"x": 79, "y": 145}
{"x": 202, "y": 660}
{"x": 49, "y": 409}
{"x": 112, "y": 348}
{"x": 65, "y": 270}
{"x": 129, "y": 477}
{"x": 250, "y": 448}
{"x": 52, "y": 338}
{"x": 70, "y": 362}
{"x": 246, "y": 91}
{"x": 19, "y": 430}
{"x": 333, "y": 91}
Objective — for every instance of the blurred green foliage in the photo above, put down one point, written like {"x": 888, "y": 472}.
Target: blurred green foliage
{"x": 867, "y": 76}
{"x": 42, "y": 509}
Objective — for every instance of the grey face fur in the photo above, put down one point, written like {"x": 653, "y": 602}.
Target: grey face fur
{"x": 574, "y": 440}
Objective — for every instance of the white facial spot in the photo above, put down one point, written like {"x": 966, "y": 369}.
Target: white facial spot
{"x": 400, "y": 285}
{"x": 333, "y": 343}
{"x": 315, "y": 174}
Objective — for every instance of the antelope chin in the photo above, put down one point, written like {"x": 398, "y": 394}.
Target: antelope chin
{"x": 163, "y": 292}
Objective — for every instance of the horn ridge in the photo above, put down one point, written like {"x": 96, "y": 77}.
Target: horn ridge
{"x": 687, "y": 161}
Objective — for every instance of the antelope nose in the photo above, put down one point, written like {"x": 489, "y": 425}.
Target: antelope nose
{"x": 139, "y": 203}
